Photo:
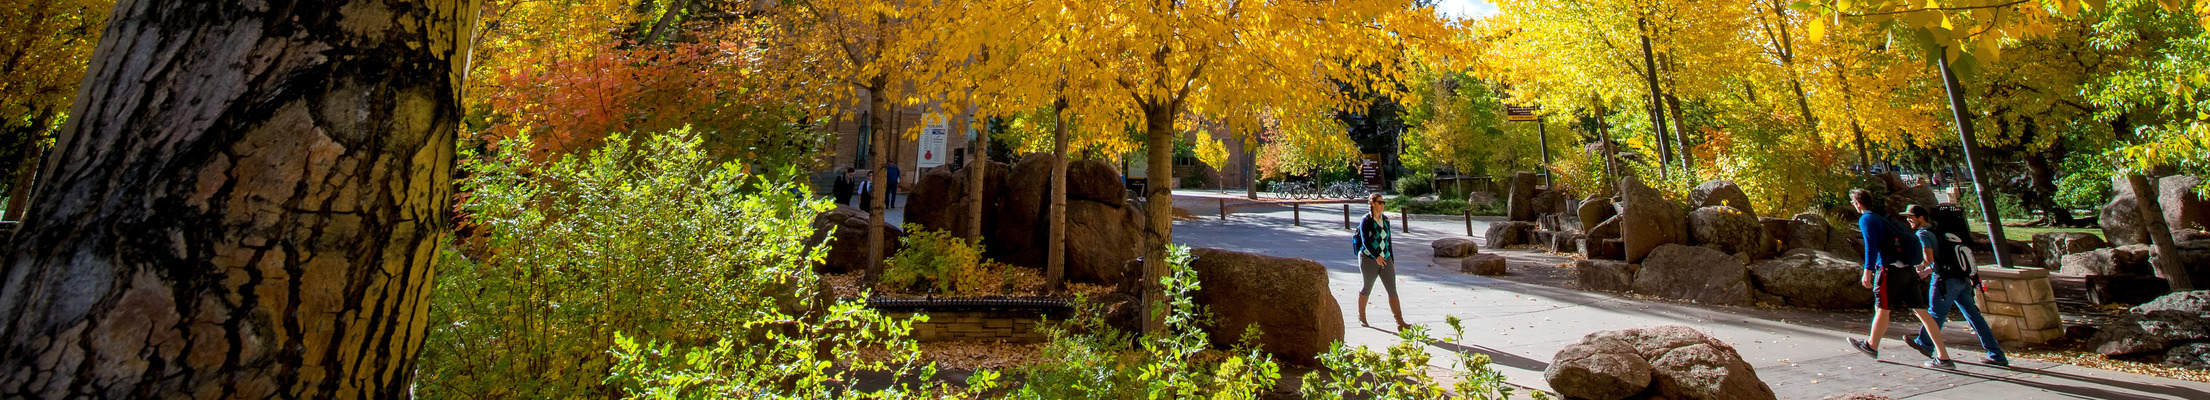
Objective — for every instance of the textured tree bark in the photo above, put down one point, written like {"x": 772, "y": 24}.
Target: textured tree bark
{"x": 2160, "y": 234}
{"x": 1158, "y": 207}
{"x": 1055, "y": 253}
{"x": 878, "y": 106}
{"x": 246, "y": 203}
{"x": 977, "y": 177}
{"x": 1656, "y": 104}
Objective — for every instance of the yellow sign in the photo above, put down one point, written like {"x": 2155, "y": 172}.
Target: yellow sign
{"x": 1517, "y": 117}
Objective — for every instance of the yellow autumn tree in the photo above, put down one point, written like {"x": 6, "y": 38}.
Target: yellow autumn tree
{"x": 1148, "y": 64}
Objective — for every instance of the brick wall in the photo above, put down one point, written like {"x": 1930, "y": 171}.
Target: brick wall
{"x": 978, "y": 326}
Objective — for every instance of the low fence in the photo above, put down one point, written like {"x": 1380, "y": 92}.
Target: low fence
{"x": 1296, "y": 211}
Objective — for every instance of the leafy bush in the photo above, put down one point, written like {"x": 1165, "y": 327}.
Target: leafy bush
{"x": 1401, "y": 373}
{"x": 1174, "y": 363}
{"x": 1416, "y": 184}
{"x": 1443, "y": 206}
{"x": 647, "y": 238}
{"x": 934, "y": 261}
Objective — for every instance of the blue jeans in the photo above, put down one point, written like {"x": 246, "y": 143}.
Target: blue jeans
{"x": 1957, "y": 292}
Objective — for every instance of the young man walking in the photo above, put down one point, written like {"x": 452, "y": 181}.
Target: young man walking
{"x": 1889, "y": 272}
{"x": 1376, "y": 260}
{"x": 1952, "y": 286}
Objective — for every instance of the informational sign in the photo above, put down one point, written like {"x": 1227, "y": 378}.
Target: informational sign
{"x": 1520, "y": 113}
{"x": 932, "y": 145}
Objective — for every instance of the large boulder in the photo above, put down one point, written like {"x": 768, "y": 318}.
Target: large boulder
{"x": 1813, "y": 279}
{"x": 1605, "y": 275}
{"x": 848, "y": 243}
{"x": 2022, "y": 253}
{"x": 1101, "y": 238}
{"x": 2125, "y": 289}
{"x": 1454, "y": 247}
{"x": 2182, "y": 208}
{"x": 1550, "y": 202}
{"x": 1598, "y": 368}
{"x": 931, "y": 202}
{"x": 1845, "y": 241}
{"x": 1648, "y": 220}
{"x": 1483, "y": 264}
{"x": 2175, "y": 318}
{"x": 1096, "y": 181}
{"x": 941, "y": 198}
{"x": 1809, "y": 231}
{"x": 1104, "y": 230}
{"x": 2194, "y": 356}
{"x": 1286, "y": 297}
{"x": 1510, "y": 233}
{"x": 2128, "y": 260}
{"x": 1601, "y": 249}
{"x": 1732, "y": 230}
{"x": 2121, "y": 218}
{"x": 1683, "y": 364}
{"x": 1696, "y": 274}
{"x": 1520, "y": 201}
{"x": 1595, "y": 210}
{"x": 2053, "y": 246}
{"x": 1721, "y": 193}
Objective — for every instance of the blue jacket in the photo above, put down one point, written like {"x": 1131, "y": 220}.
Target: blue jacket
{"x": 1881, "y": 245}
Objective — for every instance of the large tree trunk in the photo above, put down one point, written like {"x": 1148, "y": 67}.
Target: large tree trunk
{"x": 2160, "y": 234}
{"x": 1055, "y": 253}
{"x": 1158, "y": 207}
{"x": 879, "y": 129}
{"x": 977, "y": 176}
{"x": 246, "y": 203}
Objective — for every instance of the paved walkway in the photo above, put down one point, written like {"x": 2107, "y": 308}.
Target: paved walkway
{"x": 1522, "y": 320}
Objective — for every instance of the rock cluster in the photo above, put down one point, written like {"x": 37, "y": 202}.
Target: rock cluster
{"x": 1104, "y": 230}
{"x": 2173, "y": 325}
{"x": 1665, "y": 362}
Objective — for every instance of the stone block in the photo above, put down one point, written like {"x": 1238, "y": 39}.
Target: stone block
{"x": 2000, "y": 308}
{"x": 2042, "y": 317}
{"x": 1994, "y": 293}
{"x": 998, "y": 323}
{"x": 2004, "y": 326}
{"x": 2038, "y": 291}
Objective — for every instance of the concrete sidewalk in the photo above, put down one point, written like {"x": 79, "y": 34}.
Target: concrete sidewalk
{"x": 1521, "y": 324}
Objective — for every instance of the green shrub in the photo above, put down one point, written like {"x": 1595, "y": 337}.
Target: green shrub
{"x": 1175, "y": 363}
{"x": 934, "y": 261}
{"x": 1401, "y": 372}
{"x": 1418, "y": 184}
{"x": 645, "y": 238}
{"x": 1440, "y": 207}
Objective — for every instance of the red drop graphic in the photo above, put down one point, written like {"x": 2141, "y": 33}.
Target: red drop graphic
{"x": 928, "y": 155}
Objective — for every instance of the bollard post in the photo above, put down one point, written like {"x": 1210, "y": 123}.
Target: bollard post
{"x": 1296, "y": 214}
{"x": 1223, "y": 209}
{"x": 1469, "y": 221}
{"x": 1346, "y": 217}
{"x": 1404, "y": 218}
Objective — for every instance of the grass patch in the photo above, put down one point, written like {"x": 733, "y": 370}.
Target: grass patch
{"x": 2026, "y": 234}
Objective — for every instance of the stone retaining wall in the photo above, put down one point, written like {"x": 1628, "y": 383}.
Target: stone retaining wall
{"x": 2020, "y": 305}
{"x": 978, "y": 326}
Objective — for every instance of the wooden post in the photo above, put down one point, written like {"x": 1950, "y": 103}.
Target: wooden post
{"x": 1404, "y": 218}
{"x": 1223, "y": 209}
{"x": 1469, "y": 221}
{"x": 1296, "y": 214}
{"x": 1346, "y": 217}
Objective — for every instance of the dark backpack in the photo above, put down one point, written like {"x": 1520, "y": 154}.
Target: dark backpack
{"x": 1903, "y": 241}
{"x": 1953, "y": 250}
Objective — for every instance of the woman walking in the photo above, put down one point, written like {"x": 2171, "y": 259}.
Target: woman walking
{"x": 1376, "y": 260}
